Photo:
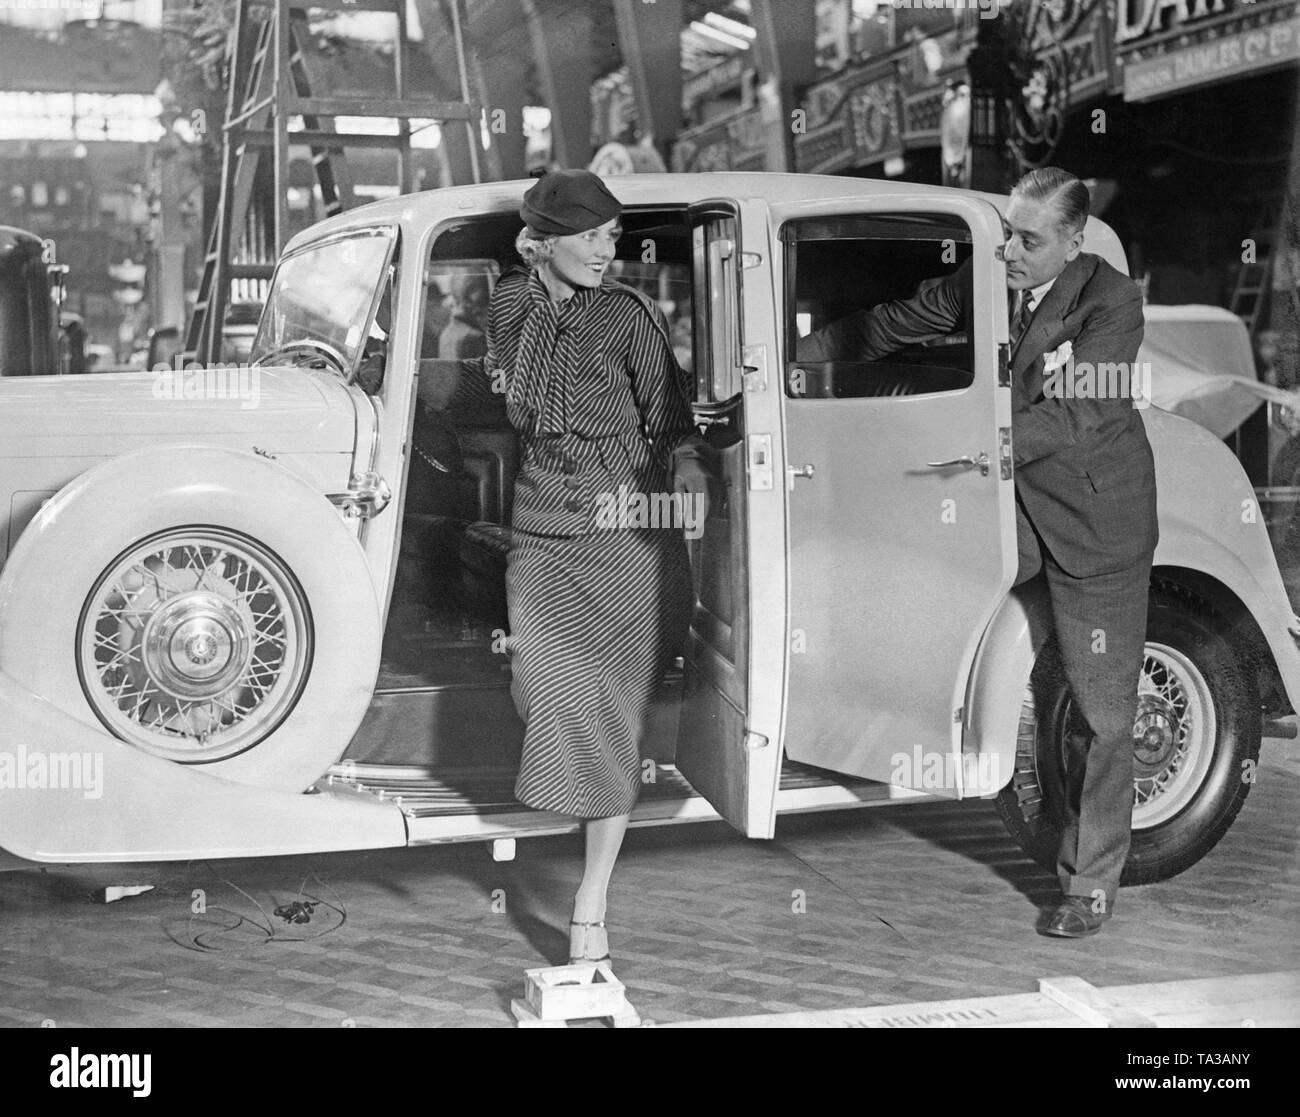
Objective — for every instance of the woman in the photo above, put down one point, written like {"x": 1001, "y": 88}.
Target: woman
{"x": 598, "y": 609}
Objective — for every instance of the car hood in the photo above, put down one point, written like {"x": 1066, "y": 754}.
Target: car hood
{"x": 276, "y": 410}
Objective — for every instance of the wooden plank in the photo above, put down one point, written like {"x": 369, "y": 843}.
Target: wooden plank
{"x": 1270, "y": 1000}
{"x": 1017, "y": 1010}
{"x": 375, "y": 106}
{"x": 1267, "y": 1000}
{"x": 319, "y": 137}
{"x": 1089, "y": 1004}
{"x": 389, "y": 6}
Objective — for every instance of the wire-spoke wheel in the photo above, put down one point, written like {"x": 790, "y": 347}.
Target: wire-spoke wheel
{"x": 194, "y": 644}
{"x": 1196, "y": 739}
{"x": 199, "y": 606}
{"x": 1173, "y": 736}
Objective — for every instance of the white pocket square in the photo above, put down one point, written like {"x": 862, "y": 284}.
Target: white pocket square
{"x": 1058, "y": 357}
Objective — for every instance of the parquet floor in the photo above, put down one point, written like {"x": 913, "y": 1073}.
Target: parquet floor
{"x": 884, "y": 906}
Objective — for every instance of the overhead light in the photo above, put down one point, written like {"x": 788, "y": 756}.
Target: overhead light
{"x": 708, "y": 32}
{"x": 730, "y": 26}
{"x": 425, "y": 134}
{"x": 537, "y": 118}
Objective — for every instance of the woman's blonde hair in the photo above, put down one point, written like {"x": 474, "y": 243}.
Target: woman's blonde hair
{"x": 534, "y": 248}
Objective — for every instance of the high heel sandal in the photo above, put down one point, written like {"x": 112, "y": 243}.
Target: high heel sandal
{"x": 582, "y": 959}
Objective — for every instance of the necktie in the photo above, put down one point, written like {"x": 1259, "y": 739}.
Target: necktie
{"x": 1021, "y": 321}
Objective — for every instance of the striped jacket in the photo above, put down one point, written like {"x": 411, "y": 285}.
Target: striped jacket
{"x": 627, "y": 412}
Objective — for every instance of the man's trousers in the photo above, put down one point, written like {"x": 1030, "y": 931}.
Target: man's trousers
{"x": 1099, "y": 625}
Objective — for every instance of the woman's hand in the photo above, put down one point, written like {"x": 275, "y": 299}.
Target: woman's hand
{"x": 691, "y": 480}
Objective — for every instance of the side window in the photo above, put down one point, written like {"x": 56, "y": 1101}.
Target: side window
{"x": 654, "y": 255}
{"x": 668, "y": 283}
{"x": 462, "y": 271}
{"x": 877, "y": 306}
{"x": 457, "y": 293}
{"x": 717, "y": 361}
{"x": 378, "y": 342}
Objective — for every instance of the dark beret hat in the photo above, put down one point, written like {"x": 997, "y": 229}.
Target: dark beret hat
{"x": 562, "y": 203}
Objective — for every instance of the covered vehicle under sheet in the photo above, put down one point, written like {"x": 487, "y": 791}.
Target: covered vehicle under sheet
{"x": 1202, "y": 368}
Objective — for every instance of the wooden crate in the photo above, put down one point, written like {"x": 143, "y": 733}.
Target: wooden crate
{"x": 555, "y": 995}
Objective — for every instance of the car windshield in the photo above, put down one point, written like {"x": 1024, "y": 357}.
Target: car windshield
{"x": 324, "y": 296}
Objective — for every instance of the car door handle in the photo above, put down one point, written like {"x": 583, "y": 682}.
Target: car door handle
{"x": 794, "y": 471}
{"x": 982, "y": 461}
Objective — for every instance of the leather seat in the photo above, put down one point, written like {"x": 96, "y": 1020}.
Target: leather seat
{"x": 482, "y": 549}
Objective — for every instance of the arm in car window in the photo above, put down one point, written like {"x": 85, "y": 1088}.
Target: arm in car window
{"x": 936, "y": 309}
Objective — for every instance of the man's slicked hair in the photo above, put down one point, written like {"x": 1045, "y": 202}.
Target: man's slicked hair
{"x": 1056, "y": 187}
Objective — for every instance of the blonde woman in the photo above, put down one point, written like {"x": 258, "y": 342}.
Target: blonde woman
{"x": 596, "y": 612}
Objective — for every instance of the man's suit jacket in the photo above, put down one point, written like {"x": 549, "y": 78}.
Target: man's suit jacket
{"x": 461, "y": 340}
{"x": 1083, "y": 466}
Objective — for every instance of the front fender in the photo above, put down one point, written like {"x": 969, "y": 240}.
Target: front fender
{"x": 72, "y": 793}
{"x": 113, "y": 506}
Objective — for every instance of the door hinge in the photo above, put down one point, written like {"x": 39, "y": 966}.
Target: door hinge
{"x": 1004, "y": 365}
{"x": 367, "y": 495}
{"x": 1004, "y": 452}
{"x": 958, "y": 714}
{"x": 758, "y": 461}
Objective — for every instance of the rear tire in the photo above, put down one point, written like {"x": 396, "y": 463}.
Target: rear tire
{"x": 1196, "y": 745}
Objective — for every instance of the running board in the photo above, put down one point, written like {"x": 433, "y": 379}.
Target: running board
{"x": 478, "y": 804}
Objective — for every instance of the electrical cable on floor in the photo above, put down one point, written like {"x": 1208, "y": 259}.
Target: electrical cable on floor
{"x": 303, "y": 909}
{"x": 840, "y": 889}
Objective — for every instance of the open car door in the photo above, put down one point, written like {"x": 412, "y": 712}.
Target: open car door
{"x": 730, "y": 717}
{"x": 898, "y": 481}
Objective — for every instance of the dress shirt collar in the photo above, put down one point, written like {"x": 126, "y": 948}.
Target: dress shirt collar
{"x": 1036, "y": 294}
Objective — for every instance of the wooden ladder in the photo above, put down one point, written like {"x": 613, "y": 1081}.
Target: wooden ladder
{"x": 272, "y": 76}
{"x": 1254, "y": 278}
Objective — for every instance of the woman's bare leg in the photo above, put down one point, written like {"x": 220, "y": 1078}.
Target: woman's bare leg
{"x": 604, "y": 839}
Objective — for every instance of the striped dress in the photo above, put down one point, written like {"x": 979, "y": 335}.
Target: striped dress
{"x": 598, "y": 609}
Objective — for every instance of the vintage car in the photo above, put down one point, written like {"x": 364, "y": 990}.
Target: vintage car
{"x": 260, "y": 610}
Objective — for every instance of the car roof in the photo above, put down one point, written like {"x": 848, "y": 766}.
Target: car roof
{"x": 416, "y": 210}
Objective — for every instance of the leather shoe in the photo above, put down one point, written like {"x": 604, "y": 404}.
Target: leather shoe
{"x": 1074, "y": 919}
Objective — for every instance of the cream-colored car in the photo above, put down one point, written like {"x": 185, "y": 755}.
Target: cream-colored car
{"x": 260, "y": 611}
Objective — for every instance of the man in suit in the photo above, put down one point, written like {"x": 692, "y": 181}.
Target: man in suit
{"x": 1085, "y": 496}
{"x": 465, "y": 334}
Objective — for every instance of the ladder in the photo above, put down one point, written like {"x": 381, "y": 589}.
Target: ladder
{"x": 271, "y": 82}
{"x": 1254, "y": 278}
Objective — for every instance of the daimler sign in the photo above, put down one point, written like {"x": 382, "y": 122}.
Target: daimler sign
{"x": 1137, "y": 18}
{"x": 1169, "y": 45}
